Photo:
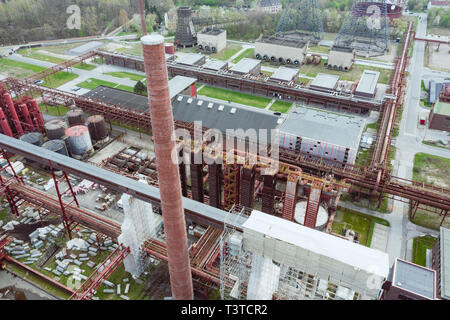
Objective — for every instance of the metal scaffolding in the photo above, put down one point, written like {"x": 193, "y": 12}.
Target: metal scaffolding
{"x": 302, "y": 18}
{"x": 365, "y": 29}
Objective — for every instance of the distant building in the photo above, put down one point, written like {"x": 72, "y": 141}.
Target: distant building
{"x": 341, "y": 58}
{"x": 367, "y": 86}
{"x": 212, "y": 40}
{"x": 409, "y": 281}
{"x": 440, "y": 113}
{"x": 438, "y": 4}
{"x": 270, "y": 6}
{"x": 323, "y": 134}
{"x": 247, "y": 66}
{"x": 281, "y": 49}
{"x": 440, "y": 262}
{"x": 170, "y": 19}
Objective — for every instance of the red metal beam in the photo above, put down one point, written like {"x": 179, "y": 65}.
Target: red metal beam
{"x": 103, "y": 271}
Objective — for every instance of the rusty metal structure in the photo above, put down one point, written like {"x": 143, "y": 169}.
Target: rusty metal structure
{"x": 168, "y": 174}
{"x": 241, "y": 183}
{"x": 142, "y": 15}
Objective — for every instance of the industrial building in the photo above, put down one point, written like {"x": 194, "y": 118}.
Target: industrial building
{"x": 212, "y": 40}
{"x": 243, "y": 230}
{"x": 341, "y": 58}
{"x": 325, "y": 82}
{"x": 439, "y": 118}
{"x": 281, "y": 50}
{"x": 191, "y": 59}
{"x": 440, "y": 263}
{"x": 367, "y": 86}
{"x": 270, "y": 6}
{"x": 409, "y": 281}
{"x": 215, "y": 65}
{"x": 284, "y": 74}
{"x": 246, "y": 66}
{"x": 185, "y": 35}
{"x": 330, "y": 136}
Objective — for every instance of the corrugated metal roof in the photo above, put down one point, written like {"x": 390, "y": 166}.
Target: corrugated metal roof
{"x": 190, "y": 59}
{"x": 214, "y": 64}
{"x": 325, "y": 81}
{"x": 350, "y": 253}
{"x": 319, "y": 125}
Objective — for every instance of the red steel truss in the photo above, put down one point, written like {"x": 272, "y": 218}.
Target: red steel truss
{"x": 4, "y": 240}
{"x": 62, "y": 66}
{"x": 103, "y": 271}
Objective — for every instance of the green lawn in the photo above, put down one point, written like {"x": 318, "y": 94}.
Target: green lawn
{"x": 93, "y": 83}
{"x": 319, "y": 49}
{"x": 33, "y": 54}
{"x": 21, "y": 70}
{"x": 281, "y": 106}
{"x": 233, "y": 96}
{"x": 303, "y": 80}
{"x": 420, "y": 246}
{"x": 128, "y": 75}
{"x": 52, "y": 110}
{"x": 361, "y": 223}
{"x": 227, "y": 53}
{"x": 249, "y": 53}
{"x": 431, "y": 170}
{"x": 125, "y": 88}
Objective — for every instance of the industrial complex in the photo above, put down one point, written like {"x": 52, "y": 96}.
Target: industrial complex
{"x": 172, "y": 192}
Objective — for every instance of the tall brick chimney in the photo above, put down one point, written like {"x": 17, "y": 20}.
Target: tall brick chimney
{"x": 168, "y": 174}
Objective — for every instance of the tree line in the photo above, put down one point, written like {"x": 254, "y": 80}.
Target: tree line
{"x": 23, "y": 21}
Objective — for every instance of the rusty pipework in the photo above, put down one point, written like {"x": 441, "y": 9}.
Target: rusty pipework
{"x": 168, "y": 171}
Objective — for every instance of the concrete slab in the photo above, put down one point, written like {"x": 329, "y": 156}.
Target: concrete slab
{"x": 380, "y": 237}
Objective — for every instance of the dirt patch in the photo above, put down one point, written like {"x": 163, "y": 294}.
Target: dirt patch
{"x": 158, "y": 285}
{"x": 439, "y": 60}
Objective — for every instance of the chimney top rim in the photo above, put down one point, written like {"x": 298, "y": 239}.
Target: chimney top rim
{"x": 152, "y": 39}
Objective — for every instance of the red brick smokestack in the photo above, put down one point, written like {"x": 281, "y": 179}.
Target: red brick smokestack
{"x": 168, "y": 174}
{"x": 141, "y": 11}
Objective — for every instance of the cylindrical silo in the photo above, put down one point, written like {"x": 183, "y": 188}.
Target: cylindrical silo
{"x": 75, "y": 117}
{"x": 79, "y": 140}
{"x": 55, "y": 129}
{"x": 35, "y": 138}
{"x": 58, "y": 146}
{"x": 97, "y": 128}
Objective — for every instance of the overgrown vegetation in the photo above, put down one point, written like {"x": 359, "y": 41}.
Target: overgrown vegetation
{"x": 420, "y": 246}
{"x": 432, "y": 170}
{"x": 233, "y": 96}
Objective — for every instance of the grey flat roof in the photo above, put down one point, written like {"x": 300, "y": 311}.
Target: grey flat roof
{"x": 368, "y": 82}
{"x": 285, "y": 74}
{"x": 320, "y": 125}
{"x": 190, "y": 109}
{"x": 215, "y": 64}
{"x": 86, "y": 47}
{"x": 283, "y": 41}
{"x": 325, "y": 81}
{"x": 245, "y": 65}
{"x": 190, "y": 59}
{"x": 445, "y": 262}
{"x": 178, "y": 84}
{"x": 212, "y": 31}
{"x": 414, "y": 278}
{"x": 136, "y": 101}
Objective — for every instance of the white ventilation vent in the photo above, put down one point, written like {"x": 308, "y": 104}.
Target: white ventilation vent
{"x": 233, "y": 111}
{"x": 210, "y": 105}
{"x": 189, "y": 101}
{"x": 279, "y": 121}
{"x": 200, "y": 103}
{"x": 221, "y": 107}
{"x": 180, "y": 98}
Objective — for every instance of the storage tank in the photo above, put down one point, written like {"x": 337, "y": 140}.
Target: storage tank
{"x": 97, "y": 128}
{"x": 58, "y": 146}
{"x": 75, "y": 117}
{"x": 35, "y": 138}
{"x": 79, "y": 140}
{"x": 55, "y": 129}
{"x": 322, "y": 215}
{"x": 169, "y": 48}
